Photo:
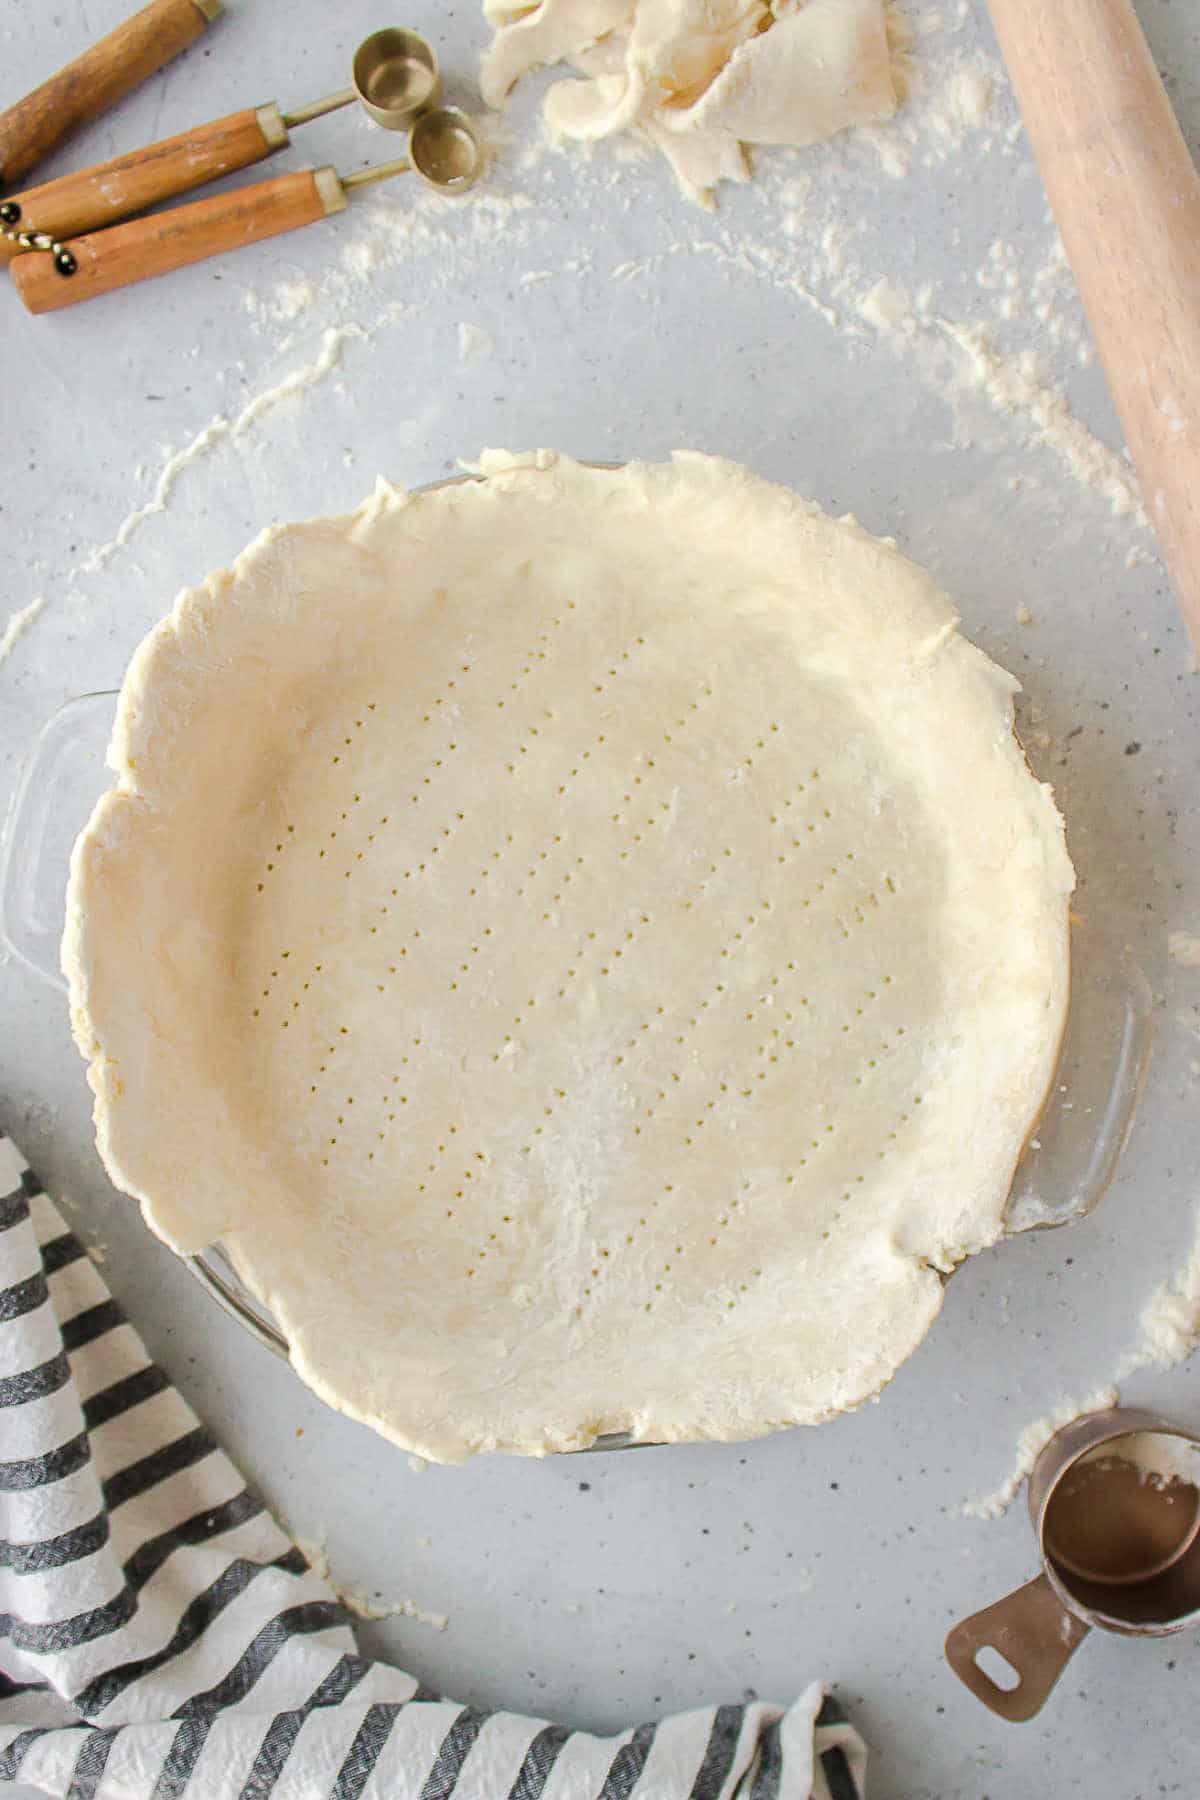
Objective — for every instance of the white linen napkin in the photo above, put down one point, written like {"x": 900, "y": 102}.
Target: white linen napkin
{"x": 161, "y": 1637}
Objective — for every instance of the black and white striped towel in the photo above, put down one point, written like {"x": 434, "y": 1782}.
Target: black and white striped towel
{"x": 160, "y": 1636}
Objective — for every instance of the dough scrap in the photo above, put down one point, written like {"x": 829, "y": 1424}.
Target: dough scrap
{"x": 700, "y": 78}
{"x": 586, "y": 941}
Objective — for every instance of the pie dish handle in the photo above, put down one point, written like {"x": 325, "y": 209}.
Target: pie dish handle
{"x": 63, "y": 774}
{"x": 1072, "y": 1155}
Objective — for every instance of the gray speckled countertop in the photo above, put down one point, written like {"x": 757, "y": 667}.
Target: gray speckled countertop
{"x": 611, "y": 318}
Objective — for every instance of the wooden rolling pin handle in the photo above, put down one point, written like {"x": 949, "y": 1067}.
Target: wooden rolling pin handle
{"x": 94, "y": 198}
{"x": 1126, "y": 195}
{"x": 96, "y": 80}
{"x": 118, "y": 257}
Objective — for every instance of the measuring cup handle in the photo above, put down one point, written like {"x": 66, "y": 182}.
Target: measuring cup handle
{"x": 67, "y": 742}
{"x": 1034, "y": 1633}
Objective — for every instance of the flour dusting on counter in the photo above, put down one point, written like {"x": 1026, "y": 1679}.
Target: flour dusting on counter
{"x": 1168, "y": 1333}
{"x": 217, "y": 430}
{"x": 1183, "y": 947}
{"x": 1169, "y": 1328}
{"x": 1016, "y": 385}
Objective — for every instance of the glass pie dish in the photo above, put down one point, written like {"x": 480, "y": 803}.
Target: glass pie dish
{"x": 1068, "y": 1162}
{"x": 1015, "y": 906}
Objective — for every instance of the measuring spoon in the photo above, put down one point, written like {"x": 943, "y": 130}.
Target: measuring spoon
{"x": 442, "y": 149}
{"x": 395, "y": 77}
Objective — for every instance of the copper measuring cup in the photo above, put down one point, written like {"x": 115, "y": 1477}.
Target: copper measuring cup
{"x": 395, "y": 77}
{"x": 1120, "y": 1550}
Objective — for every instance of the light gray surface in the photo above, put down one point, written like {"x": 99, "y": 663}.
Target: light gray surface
{"x": 602, "y": 1590}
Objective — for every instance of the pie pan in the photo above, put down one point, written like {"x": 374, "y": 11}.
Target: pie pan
{"x": 887, "y": 947}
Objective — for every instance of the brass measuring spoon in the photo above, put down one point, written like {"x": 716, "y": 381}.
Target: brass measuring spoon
{"x": 394, "y": 78}
{"x": 442, "y": 149}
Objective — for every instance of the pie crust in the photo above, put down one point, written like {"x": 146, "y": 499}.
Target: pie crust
{"x": 586, "y": 941}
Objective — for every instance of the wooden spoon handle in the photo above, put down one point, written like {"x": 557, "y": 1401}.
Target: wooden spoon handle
{"x": 104, "y": 74}
{"x": 1126, "y": 196}
{"x": 94, "y": 198}
{"x": 171, "y": 240}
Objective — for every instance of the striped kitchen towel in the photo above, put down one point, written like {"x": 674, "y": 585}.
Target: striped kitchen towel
{"x": 160, "y": 1636}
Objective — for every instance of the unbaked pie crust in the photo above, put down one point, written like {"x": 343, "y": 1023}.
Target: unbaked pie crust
{"x": 586, "y": 941}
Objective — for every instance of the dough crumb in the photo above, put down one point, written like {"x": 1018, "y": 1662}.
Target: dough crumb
{"x": 315, "y": 1555}
{"x": 292, "y": 298}
{"x": 417, "y": 1464}
{"x": 887, "y": 307}
{"x": 474, "y": 343}
{"x": 1183, "y": 947}
{"x": 365, "y": 1608}
{"x": 970, "y": 94}
{"x": 1024, "y": 616}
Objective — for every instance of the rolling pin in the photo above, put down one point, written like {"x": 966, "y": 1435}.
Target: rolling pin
{"x": 1126, "y": 196}
{"x": 97, "y": 79}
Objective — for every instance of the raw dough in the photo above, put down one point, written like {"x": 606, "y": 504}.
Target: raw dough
{"x": 700, "y": 78}
{"x": 587, "y": 941}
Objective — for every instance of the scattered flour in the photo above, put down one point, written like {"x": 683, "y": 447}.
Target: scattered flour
{"x": 287, "y": 301}
{"x": 18, "y": 625}
{"x": 1168, "y": 1333}
{"x": 970, "y": 95}
{"x": 1169, "y": 1328}
{"x": 949, "y": 99}
{"x": 1030, "y": 1444}
{"x": 417, "y": 1464}
{"x": 887, "y": 308}
{"x": 1183, "y": 947}
{"x": 360, "y": 257}
{"x": 217, "y": 430}
{"x": 1015, "y": 385}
